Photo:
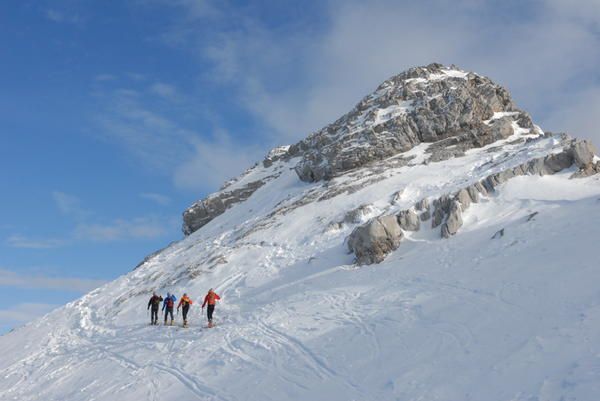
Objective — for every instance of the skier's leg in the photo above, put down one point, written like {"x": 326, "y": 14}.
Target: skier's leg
{"x": 209, "y": 312}
{"x": 185, "y": 312}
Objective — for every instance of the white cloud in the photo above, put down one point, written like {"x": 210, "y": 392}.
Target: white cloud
{"x": 579, "y": 114}
{"x": 12, "y": 279}
{"x": 137, "y": 228}
{"x": 156, "y": 198}
{"x": 194, "y": 160}
{"x": 20, "y": 241}
{"x": 214, "y": 162}
{"x": 156, "y": 141}
{"x": 298, "y": 79}
{"x": 24, "y": 312}
{"x": 69, "y": 205}
{"x": 166, "y": 91}
{"x": 62, "y": 17}
{"x": 87, "y": 229}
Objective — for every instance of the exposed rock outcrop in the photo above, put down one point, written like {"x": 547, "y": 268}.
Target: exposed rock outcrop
{"x": 409, "y": 220}
{"x": 201, "y": 212}
{"x": 454, "y": 109}
{"x": 448, "y": 209}
{"x": 374, "y": 240}
{"x": 453, "y": 220}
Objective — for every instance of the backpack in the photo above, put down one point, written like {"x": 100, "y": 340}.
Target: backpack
{"x": 170, "y": 302}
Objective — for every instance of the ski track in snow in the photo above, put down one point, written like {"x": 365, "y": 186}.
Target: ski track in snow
{"x": 516, "y": 318}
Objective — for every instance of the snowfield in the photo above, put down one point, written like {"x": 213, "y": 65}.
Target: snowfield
{"x": 506, "y": 310}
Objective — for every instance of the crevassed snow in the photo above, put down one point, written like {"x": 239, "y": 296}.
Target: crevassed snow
{"x": 514, "y": 318}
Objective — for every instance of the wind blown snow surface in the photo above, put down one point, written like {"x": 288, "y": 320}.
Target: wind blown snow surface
{"x": 510, "y": 318}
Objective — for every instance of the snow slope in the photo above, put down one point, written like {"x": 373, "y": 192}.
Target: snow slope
{"x": 506, "y": 310}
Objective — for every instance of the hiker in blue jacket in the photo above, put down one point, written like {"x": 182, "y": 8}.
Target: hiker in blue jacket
{"x": 168, "y": 304}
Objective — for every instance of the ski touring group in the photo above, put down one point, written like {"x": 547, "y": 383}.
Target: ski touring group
{"x": 168, "y": 303}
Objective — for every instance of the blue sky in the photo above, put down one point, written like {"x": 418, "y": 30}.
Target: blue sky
{"x": 116, "y": 116}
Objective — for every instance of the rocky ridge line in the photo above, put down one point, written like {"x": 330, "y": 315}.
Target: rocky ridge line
{"x": 434, "y": 104}
{"x": 205, "y": 210}
{"x": 450, "y": 108}
{"x": 374, "y": 240}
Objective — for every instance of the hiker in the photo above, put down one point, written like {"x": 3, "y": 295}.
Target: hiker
{"x": 184, "y": 303}
{"x": 211, "y": 299}
{"x": 168, "y": 305}
{"x": 154, "y": 301}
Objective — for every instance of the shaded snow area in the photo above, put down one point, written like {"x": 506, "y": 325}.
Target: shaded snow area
{"x": 506, "y": 310}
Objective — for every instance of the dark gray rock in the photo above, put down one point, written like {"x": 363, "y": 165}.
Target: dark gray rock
{"x": 454, "y": 221}
{"x": 583, "y": 152}
{"x": 536, "y": 167}
{"x": 202, "y": 212}
{"x": 558, "y": 162}
{"x": 464, "y": 198}
{"x": 498, "y": 234}
{"x": 422, "y": 205}
{"x": 409, "y": 220}
{"x": 374, "y": 240}
{"x": 441, "y": 209}
{"x": 473, "y": 193}
{"x": 587, "y": 170}
{"x": 480, "y": 188}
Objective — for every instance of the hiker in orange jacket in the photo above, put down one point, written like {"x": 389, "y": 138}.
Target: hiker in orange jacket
{"x": 184, "y": 304}
{"x": 211, "y": 299}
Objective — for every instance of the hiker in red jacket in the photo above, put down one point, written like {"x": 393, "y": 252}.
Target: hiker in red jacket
{"x": 211, "y": 299}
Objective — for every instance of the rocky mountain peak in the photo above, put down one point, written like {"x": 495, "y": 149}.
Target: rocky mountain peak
{"x": 422, "y": 104}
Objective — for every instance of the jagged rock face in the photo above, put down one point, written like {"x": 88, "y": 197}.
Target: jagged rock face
{"x": 200, "y": 213}
{"x": 424, "y": 104}
{"x": 451, "y": 110}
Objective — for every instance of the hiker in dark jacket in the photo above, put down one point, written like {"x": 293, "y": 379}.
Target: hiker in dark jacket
{"x": 154, "y": 302}
{"x": 168, "y": 304}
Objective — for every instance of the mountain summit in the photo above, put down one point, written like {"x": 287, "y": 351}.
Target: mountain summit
{"x": 480, "y": 230}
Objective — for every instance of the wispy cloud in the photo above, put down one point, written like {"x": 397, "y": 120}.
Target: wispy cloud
{"x": 166, "y": 91}
{"x": 69, "y": 205}
{"x": 156, "y": 198}
{"x": 12, "y": 279}
{"x": 24, "y": 312}
{"x": 88, "y": 227}
{"x": 62, "y": 17}
{"x": 138, "y": 228}
{"x": 295, "y": 78}
{"x": 20, "y": 241}
{"x": 545, "y": 52}
{"x": 195, "y": 160}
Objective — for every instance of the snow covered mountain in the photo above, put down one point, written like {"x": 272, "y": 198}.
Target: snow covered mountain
{"x": 431, "y": 244}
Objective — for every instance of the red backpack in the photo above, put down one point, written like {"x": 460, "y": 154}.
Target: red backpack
{"x": 170, "y": 302}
